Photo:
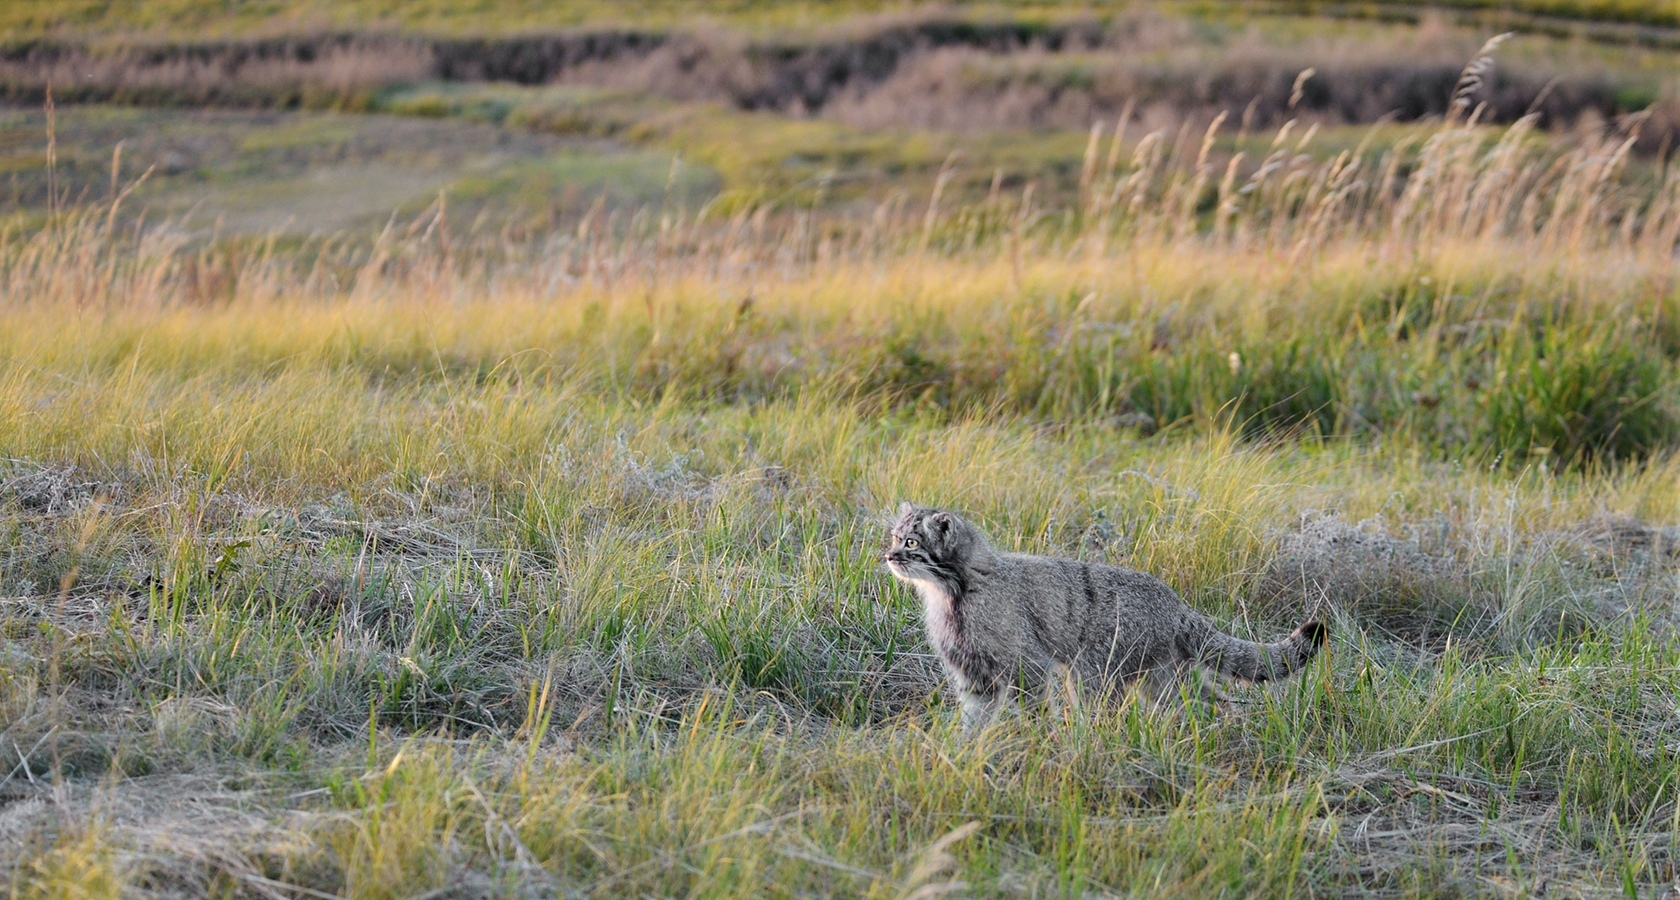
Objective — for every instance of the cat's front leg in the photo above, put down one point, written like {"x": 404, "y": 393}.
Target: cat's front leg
{"x": 978, "y": 710}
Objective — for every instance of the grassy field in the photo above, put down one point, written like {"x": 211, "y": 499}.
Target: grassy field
{"x": 255, "y": 174}
{"x": 525, "y": 540}
{"x": 452, "y": 564}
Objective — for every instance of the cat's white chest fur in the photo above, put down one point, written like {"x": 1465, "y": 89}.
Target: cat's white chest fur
{"x": 939, "y": 611}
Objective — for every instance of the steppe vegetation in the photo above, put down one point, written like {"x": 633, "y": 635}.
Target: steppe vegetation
{"x": 441, "y": 556}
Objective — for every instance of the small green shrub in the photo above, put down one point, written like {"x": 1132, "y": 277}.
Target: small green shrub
{"x": 1264, "y": 389}
{"x": 1599, "y": 395}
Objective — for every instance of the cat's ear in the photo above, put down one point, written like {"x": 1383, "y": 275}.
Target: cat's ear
{"x": 941, "y": 521}
{"x": 906, "y": 508}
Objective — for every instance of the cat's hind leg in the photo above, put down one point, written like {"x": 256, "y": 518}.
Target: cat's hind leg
{"x": 1183, "y": 686}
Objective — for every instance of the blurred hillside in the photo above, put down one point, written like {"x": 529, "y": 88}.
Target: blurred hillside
{"x": 25, "y": 19}
{"x": 804, "y": 103}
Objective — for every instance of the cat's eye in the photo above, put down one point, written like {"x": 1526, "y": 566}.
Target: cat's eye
{"x": 910, "y": 543}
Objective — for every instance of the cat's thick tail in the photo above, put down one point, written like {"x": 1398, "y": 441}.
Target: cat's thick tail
{"x": 1249, "y": 661}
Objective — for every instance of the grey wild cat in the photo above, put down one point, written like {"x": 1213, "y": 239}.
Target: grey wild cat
{"x": 1004, "y": 621}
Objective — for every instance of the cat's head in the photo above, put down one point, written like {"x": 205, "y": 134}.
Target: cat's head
{"x": 928, "y": 543}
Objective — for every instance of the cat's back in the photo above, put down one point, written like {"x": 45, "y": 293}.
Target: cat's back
{"x": 1088, "y": 583}
{"x": 1069, "y": 606}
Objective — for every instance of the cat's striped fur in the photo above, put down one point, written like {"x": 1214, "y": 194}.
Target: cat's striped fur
{"x": 1005, "y": 620}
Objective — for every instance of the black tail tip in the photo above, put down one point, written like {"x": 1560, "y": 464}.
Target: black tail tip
{"x": 1315, "y": 633}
